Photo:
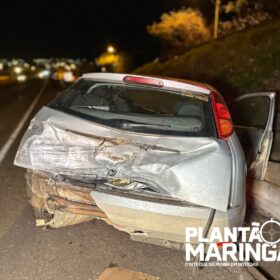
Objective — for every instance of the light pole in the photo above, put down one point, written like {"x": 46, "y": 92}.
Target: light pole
{"x": 216, "y": 19}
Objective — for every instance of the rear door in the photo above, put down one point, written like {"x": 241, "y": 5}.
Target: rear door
{"x": 253, "y": 116}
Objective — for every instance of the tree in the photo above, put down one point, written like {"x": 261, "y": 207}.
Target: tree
{"x": 181, "y": 28}
{"x": 239, "y": 14}
{"x": 235, "y": 6}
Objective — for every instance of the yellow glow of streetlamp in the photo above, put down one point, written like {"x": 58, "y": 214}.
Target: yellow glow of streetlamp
{"x": 111, "y": 49}
{"x": 18, "y": 70}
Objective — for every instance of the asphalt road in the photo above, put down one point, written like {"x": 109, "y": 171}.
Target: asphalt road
{"x": 77, "y": 252}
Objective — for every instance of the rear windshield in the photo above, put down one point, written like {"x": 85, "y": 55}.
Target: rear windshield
{"x": 139, "y": 108}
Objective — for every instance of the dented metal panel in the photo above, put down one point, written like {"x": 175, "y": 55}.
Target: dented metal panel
{"x": 161, "y": 223}
{"x": 58, "y": 204}
{"x": 158, "y": 221}
{"x": 176, "y": 173}
{"x": 197, "y": 170}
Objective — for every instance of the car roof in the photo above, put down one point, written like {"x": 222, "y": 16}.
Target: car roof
{"x": 169, "y": 83}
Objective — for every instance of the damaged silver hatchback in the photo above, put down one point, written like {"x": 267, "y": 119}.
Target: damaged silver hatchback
{"x": 150, "y": 156}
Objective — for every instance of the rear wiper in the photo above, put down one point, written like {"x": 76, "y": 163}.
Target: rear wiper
{"x": 102, "y": 108}
{"x": 132, "y": 125}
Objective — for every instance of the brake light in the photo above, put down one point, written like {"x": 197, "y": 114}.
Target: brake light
{"x": 143, "y": 81}
{"x": 222, "y": 116}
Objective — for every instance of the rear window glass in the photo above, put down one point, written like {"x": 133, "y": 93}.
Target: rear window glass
{"x": 139, "y": 108}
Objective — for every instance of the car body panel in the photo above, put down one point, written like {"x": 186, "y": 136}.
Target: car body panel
{"x": 238, "y": 173}
{"x": 159, "y": 221}
{"x": 185, "y": 168}
{"x": 170, "y": 84}
{"x": 156, "y": 220}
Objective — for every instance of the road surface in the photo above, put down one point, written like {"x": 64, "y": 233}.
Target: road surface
{"x": 77, "y": 252}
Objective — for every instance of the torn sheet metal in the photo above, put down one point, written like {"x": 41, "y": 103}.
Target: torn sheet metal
{"x": 62, "y": 219}
{"x": 59, "y": 204}
{"x": 63, "y": 204}
{"x": 192, "y": 169}
{"x": 112, "y": 273}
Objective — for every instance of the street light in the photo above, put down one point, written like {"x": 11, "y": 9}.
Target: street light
{"x": 111, "y": 49}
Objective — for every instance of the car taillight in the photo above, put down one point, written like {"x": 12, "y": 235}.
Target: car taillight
{"x": 222, "y": 116}
{"x": 143, "y": 81}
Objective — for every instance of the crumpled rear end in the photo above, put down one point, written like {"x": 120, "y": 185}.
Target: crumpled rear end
{"x": 60, "y": 203}
{"x": 196, "y": 170}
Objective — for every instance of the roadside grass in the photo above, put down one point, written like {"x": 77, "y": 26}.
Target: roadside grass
{"x": 242, "y": 62}
{"x": 239, "y": 63}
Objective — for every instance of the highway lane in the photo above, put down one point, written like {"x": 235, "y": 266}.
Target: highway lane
{"x": 77, "y": 252}
{"x": 15, "y": 100}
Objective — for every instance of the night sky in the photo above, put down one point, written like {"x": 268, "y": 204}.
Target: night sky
{"x": 80, "y": 28}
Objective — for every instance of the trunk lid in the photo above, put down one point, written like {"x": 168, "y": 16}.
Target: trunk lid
{"x": 192, "y": 169}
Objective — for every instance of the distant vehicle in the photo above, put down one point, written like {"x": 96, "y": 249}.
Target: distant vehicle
{"x": 149, "y": 156}
{"x": 64, "y": 75}
{"x": 44, "y": 74}
{"x": 21, "y": 78}
{"x": 19, "y": 73}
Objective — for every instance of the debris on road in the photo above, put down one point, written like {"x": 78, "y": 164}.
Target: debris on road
{"x": 118, "y": 273}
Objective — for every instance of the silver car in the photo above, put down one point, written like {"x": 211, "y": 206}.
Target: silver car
{"x": 150, "y": 156}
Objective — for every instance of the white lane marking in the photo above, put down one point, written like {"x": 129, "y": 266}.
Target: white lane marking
{"x": 6, "y": 147}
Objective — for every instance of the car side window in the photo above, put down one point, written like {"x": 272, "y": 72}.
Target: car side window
{"x": 251, "y": 112}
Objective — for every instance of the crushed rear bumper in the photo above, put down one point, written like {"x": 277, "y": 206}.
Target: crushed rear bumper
{"x": 157, "y": 221}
